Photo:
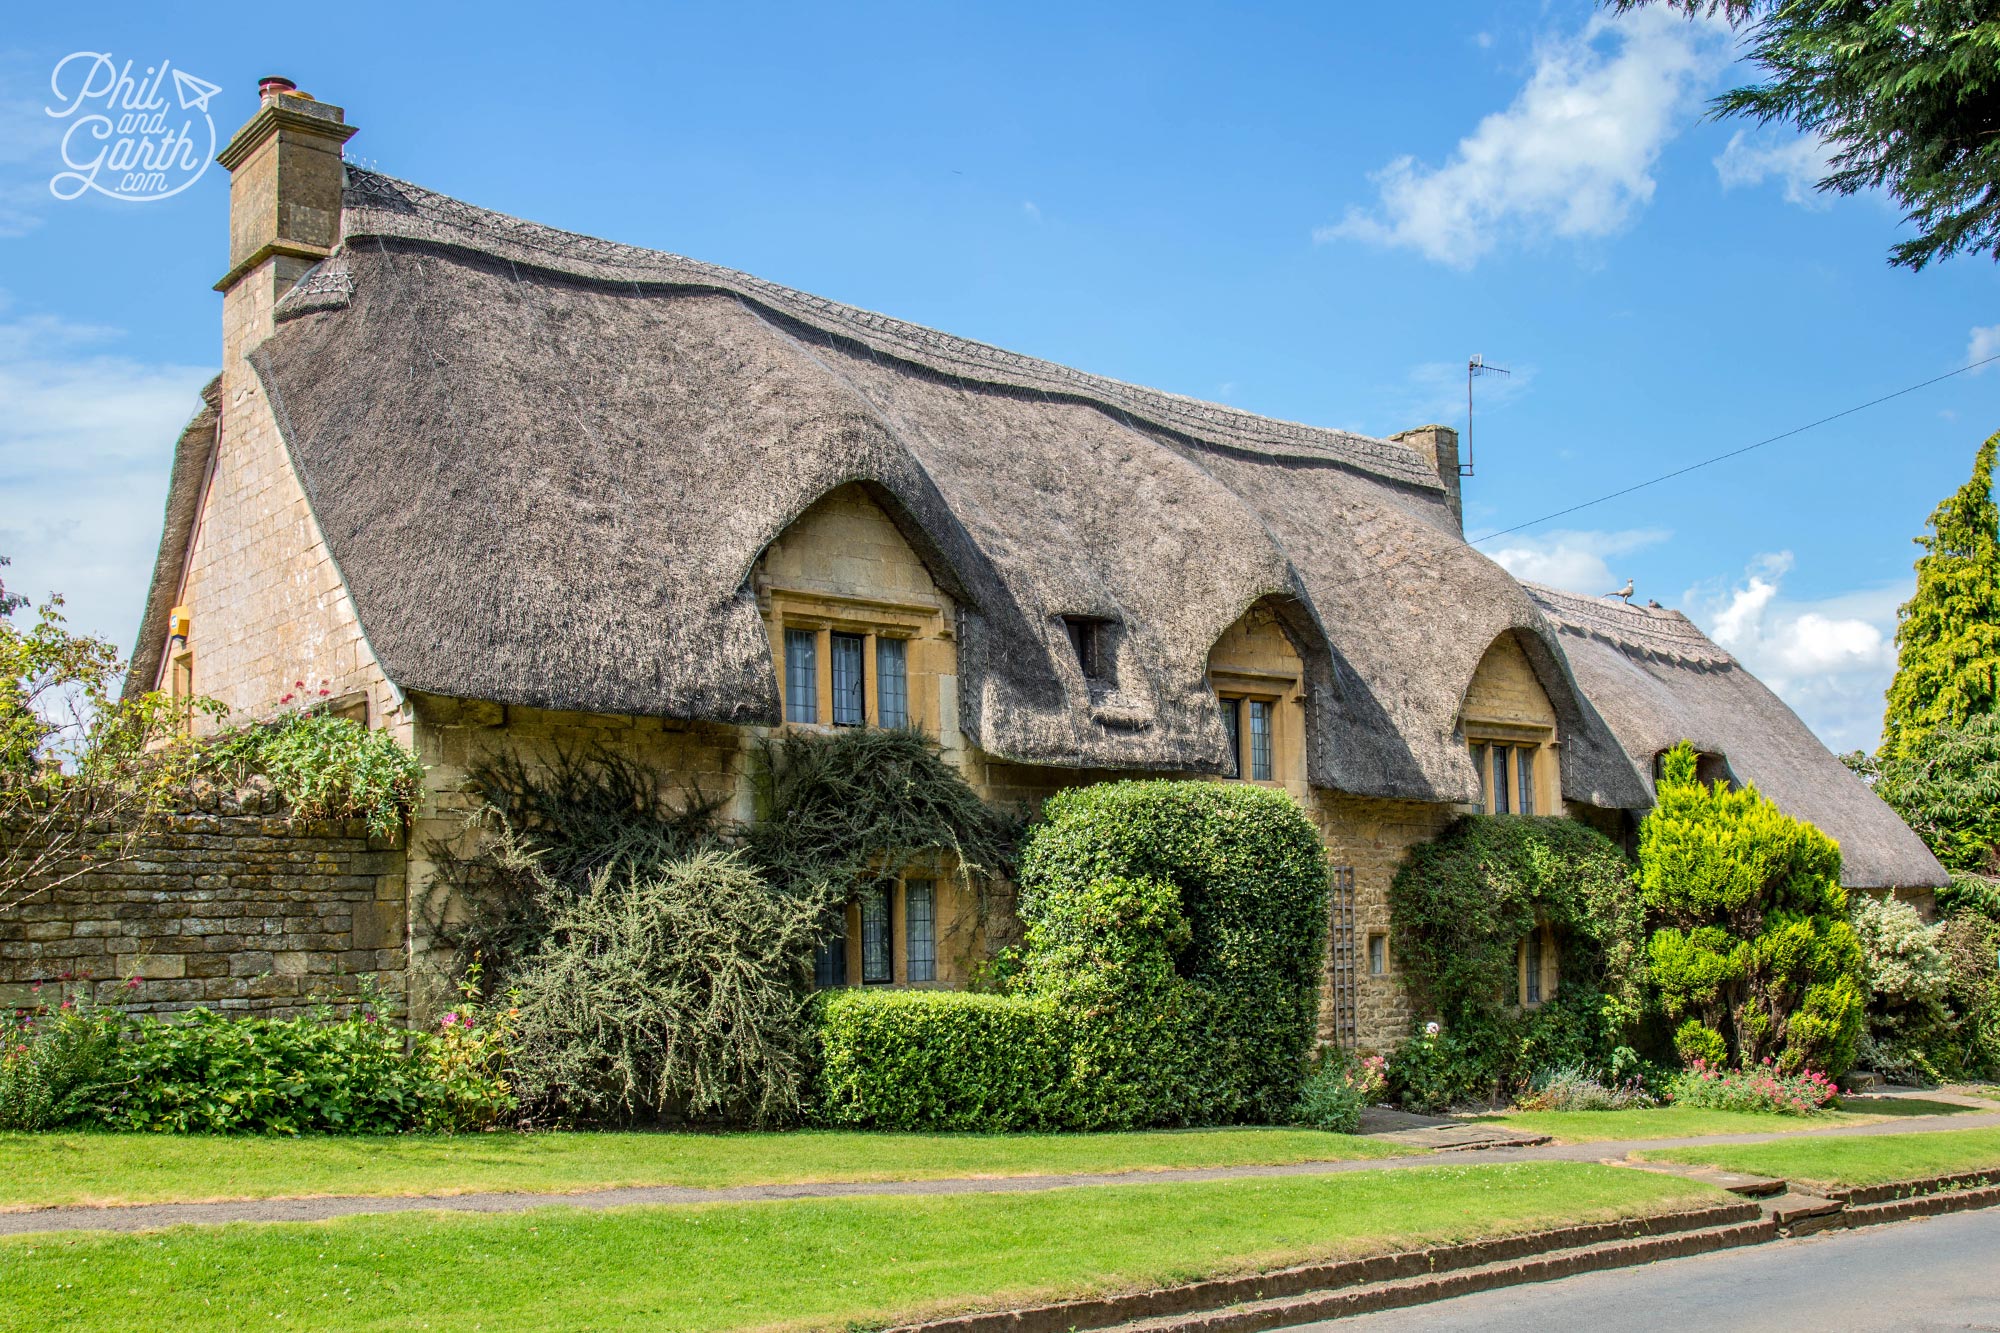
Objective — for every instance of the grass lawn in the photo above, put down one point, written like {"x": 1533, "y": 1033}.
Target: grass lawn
{"x": 42, "y": 1169}
{"x": 1864, "y": 1160}
{"x": 1678, "y": 1122}
{"x": 822, "y": 1264}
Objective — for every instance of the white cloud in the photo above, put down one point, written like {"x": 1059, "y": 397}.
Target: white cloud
{"x": 1985, "y": 342}
{"x": 1831, "y": 659}
{"x": 1571, "y": 157}
{"x": 1034, "y": 213}
{"x": 1798, "y": 163}
{"x": 85, "y": 445}
{"x": 1572, "y": 561}
{"x": 30, "y": 152}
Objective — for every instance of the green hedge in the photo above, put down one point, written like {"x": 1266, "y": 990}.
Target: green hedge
{"x": 941, "y": 1060}
{"x": 1169, "y": 976}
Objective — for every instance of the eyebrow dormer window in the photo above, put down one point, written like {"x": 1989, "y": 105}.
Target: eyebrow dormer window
{"x": 1087, "y": 637}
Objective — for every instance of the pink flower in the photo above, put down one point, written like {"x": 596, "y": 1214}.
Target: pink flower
{"x": 450, "y": 1020}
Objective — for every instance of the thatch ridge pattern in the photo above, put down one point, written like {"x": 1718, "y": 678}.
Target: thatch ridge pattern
{"x": 377, "y": 205}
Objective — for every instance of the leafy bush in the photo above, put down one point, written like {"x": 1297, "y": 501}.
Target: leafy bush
{"x": 1976, "y": 894}
{"x": 1909, "y": 981}
{"x": 1573, "y": 1088}
{"x": 1340, "y": 1086}
{"x": 1968, "y": 941}
{"x": 1462, "y": 903}
{"x": 1761, "y": 1088}
{"x": 1946, "y": 786}
{"x": 52, "y": 1059}
{"x": 327, "y": 768}
{"x": 943, "y": 1060}
{"x": 1181, "y": 925}
{"x": 1753, "y": 944}
{"x": 84, "y": 1065}
{"x": 670, "y": 992}
{"x": 641, "y": 997}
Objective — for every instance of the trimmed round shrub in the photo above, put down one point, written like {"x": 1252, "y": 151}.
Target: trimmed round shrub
{"x": 1181, "y": 926}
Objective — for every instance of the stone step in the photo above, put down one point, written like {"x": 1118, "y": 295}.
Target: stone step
{"x": 1797, "y": 1214}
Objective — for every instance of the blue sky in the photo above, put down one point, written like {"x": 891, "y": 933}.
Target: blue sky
{"x": 1315, "y": 212}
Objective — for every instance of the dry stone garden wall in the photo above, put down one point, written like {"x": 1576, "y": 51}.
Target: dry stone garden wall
{"x": 231, "y": 907}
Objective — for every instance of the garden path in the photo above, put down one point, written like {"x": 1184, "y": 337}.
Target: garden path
{"x": 140, "y": 1217}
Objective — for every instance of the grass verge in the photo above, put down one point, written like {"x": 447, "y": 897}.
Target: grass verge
{"x": 38, "y": 1170}
{"x": 1677, "y": 1122}
{"x": 1872, "y": 1159}
{"x": 808, "y": 1264}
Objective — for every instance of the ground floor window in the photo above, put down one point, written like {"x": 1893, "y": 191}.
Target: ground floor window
{"x": 830, "y": 960}
{"x": 887, "y": 934}
{"x": 920, "y": 930}
{"x": 1536, "y": 968}
{"x": 877, "y": 948}
{"x": 1378, "y": 955}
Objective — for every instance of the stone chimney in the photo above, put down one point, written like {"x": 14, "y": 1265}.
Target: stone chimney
{"x": 284, "y": 207}
{"x": 1439, "y": 447}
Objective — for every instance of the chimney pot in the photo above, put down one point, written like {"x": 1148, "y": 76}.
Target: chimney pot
{"x": 273, "y": 84}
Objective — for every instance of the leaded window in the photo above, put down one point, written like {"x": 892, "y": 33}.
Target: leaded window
{"x": 1260, "y": 740}
{"x": 850, "y": 687}
{"x": 892, "y": 683}
{"x": 920, "y": 929}
{"x": 1524, "y": 786}
{"x": 830, "y": 959}
{"x": 876, "y": 945}
{"x": 801, "y": 675}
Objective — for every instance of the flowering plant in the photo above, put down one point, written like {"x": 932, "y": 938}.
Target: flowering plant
{"x": 468, "y": 1057}
{"x": 1759, "y": 1088}
{"x": 1338, "y": 1087}
{"x": 53, "y": 1054}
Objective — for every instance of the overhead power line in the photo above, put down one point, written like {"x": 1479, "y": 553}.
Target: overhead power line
{"x": 1693, "y": 467}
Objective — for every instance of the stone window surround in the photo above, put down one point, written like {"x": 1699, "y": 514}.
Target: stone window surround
{"x": 870, "y": 619}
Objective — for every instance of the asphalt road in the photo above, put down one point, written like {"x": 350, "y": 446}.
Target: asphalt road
{"x": 1935, "y": 1273}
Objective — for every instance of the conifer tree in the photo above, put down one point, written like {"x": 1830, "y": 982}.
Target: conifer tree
{"x": 1948, "y": 635}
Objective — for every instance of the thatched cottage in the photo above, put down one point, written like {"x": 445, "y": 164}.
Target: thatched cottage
{"x": 505, "y": 488}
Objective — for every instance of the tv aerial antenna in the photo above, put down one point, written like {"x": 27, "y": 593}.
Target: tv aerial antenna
{"x": 1474, "y": 368}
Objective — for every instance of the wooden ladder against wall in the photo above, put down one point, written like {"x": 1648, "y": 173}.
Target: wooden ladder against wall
{"x": 1341, "y": 956}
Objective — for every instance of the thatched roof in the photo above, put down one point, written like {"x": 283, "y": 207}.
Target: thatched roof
{"x": 192, "y": 455}
{"x": 1659, "y": 680}
{"x": 546, "y": 465}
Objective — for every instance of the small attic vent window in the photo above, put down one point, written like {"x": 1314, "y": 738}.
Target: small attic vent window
{"x": 1087, "y": 636}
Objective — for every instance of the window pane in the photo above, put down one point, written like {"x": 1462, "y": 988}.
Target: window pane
{"x": 1378, "y": 954}
{"x": 1260, "y": 741}
{"x": 920, "y": 929}
{"x": 1232, "y": 722}
{"x": 1524, "y": 791}
{"x": 849, "y": 687}
{"x": 892, "y": 683}
{"x": 830, "y": 960}
{"x": 875, "y": 964}
{"x": 1501, "y": 754}
{"x": 801, "y": 675}
{"x": 1485, "y": 787}
{"x": 1534, "y": 968}
{"x": 1083, "y": 638}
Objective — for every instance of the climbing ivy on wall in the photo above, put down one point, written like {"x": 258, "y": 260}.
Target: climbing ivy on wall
{"x": 1460, "y": 907}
